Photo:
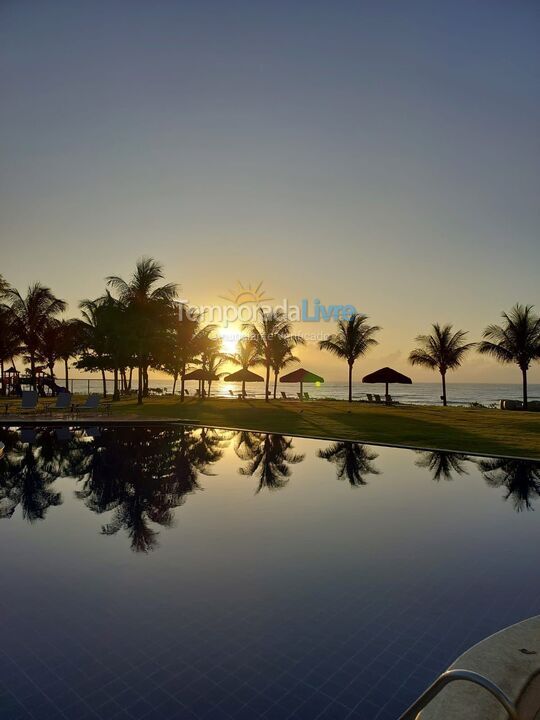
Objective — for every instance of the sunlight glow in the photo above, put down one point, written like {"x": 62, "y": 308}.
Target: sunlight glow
{"x": 229, "y": 339}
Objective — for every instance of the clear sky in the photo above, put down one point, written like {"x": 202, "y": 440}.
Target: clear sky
{"x": 379, "y": 153}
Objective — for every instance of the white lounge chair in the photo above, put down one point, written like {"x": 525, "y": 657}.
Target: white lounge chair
{"x": 377, "y": 399}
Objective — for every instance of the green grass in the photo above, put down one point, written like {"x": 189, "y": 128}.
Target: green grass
{"x": 472, "y": 430}
{"x": 464, "y": 429}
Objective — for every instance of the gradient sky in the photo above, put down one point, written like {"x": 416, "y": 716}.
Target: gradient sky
{"x": 384, "y": 154}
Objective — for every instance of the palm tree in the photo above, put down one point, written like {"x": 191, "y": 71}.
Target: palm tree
{"x": 30, "y": 315}
{"x": 214, "y": 362}
{"x": 352, "y": 340}
{"x": 443, "y": 350}
{"x": 149, "y": 306}
{"x": 282, "y": 356}
{"x": 352, "y": 460}
{"x": 186, "y": 340}
{"x": 271, "y": 325}
{"x": 69, "y": 343}
{"x": 517, "y": 340}
{"x": 9, "y": 343}
{"x": 246, "y": 356}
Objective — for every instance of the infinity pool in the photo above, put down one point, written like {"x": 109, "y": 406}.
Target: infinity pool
{"x": 180, "y": 572}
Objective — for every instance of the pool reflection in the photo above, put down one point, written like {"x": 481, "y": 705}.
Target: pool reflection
{"x": 294, "y": 578}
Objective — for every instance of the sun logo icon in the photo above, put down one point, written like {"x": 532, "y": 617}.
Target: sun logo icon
{"x": 244, "y": 294}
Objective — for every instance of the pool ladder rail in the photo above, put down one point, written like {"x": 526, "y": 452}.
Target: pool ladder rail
{"x": 451, "y": 676}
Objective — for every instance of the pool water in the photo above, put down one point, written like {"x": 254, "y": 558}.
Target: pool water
{"x": 181, "y": 572}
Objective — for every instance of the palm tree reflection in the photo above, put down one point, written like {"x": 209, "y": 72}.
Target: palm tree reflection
{"x": 142, "y": 474}
{"x": 442, "y": 465}
{"x": 268, "y": 458}
{"x": 520, "y": 478}
{"x": 27, "y": 472}
{"x": 353, "y": 461}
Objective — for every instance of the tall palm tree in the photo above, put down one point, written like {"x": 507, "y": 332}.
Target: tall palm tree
{"x": 269, "y": 326}
{"x": 186, "y": 340}
{"x": 442, "y": 350}
{"x": 149, "y": 306}
{"x": 9, "y": 343}
{"x": 30, "y": 315}
{"x": 49, "y": 344}
{"x": 69, "y": 343}
{"x": 517, "y": 340}
{"x": 352, "y": 340}
{"x": 282, "y": 356}
{"x": 246, "y": 356}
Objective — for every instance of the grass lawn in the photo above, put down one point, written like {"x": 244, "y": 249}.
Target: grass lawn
{"x": 463, "y": 429}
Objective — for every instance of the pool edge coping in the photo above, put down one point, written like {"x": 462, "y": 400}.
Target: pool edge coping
{"x": 17, "y": 422}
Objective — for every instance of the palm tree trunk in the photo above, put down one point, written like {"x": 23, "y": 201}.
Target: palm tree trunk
{"x": 116, "y": 390}
{"x": 175, "y": 378}
{"x": 140, "y": 385}
{"x": 209, "y": 387}
{"x": 130, "y": 382}
{"x": 33, "y": 370}
{"x": 275, "y": 384}
{"x": 2, "y": 387}
{"x": 104, "y": 382}
{"x": 443, "y": 376}
{"x": 267, "y": 383}
{"x": 66, "y": 373}
{"x": 350, "y": 381}
{"x": 182, "y": 382}
{"x": 525, "y": 398}
{"x": 243, "y": 388}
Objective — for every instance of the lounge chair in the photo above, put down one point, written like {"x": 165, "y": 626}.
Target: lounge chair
{"x": 284, "y": 396}
{"x": 369, "y": 397}
{"x": 93, "y": 404}
{"x": 235, "y": 395}
{"x": 377, "y": 399}
{"x": 299, "y": 396}
{"x": 390, "y": 400}
{"x": 62, "y": 404}
{"x": 307, "y": 397}
{"x": 29, "y": 401}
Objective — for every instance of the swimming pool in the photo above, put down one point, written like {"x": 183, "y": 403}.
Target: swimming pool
{"x": 183, "y": 572}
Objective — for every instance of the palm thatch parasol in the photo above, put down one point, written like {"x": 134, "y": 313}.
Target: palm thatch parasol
{"x": 301, "y": 376}
{"x": 387, "y": 375}
{"x": 243, "y": 376}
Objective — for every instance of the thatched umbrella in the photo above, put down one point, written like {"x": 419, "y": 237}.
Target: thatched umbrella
{"x": 201, "y": 375}
{"x": 301, "y": 376}
{"x": 243, "y": 376}
{"x": 387, "y": 375}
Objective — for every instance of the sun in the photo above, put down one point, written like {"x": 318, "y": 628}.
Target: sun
{"x": 229, "y": 339}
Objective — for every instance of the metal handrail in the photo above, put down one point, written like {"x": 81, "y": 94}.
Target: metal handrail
{"x": 450, "y": 676}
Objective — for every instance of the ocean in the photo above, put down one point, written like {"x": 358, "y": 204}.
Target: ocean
{"x": 416, "y": 394}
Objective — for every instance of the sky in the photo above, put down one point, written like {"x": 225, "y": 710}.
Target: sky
{"x": 376, "y": 153}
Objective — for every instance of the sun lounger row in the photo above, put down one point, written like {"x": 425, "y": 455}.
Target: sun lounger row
{"x": 378, "y": 401}
{"x": 63, "y": 404}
